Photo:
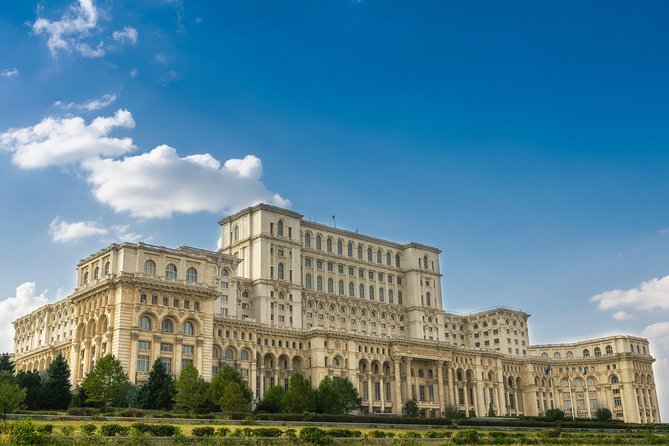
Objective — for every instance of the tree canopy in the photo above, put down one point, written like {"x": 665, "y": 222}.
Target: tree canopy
{"x": 159, "y": 390}
{"x": 11, "y": 397}
{"x": 190, "y": 388}
{"x": 57, "y": 389}
{"x": 108, "y": 383}
{"x": 299, "y": 397}
{"x": 220, "y": 391}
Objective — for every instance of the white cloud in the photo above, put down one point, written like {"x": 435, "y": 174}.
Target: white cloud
{"x": 63, "y": 231}
{"x": 133, "y": 73}
{"x": 622, "y": 315}
{"x": 9, "y": 72}
{"x": 58, "y": 142}
{"x": 68, "y": 33}
{"x": 93, "y": 104}
{"x": 128, "y": 35}
{"x": 159, "y": 183}
{"x": 664, "y": 231}
{"x": 658, "y": 335}
{"x": 12, "y": 308}
{"x": 650, "y": 295}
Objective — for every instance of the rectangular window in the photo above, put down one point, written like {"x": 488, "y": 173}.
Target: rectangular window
{"x": 340, "y": 269}
{"x": 187, "y": 349}
{"x": 186, "y": 304}
{"x": 142, "y": 363}
{"x": 351, "y": 272}
{"x": 176, "y": 303}
{"x": 144, "y": 345}
{"x": 165, "y": 347}
{"x": 319, "y": 264}
{"x": 167, "y": 362}
{"x": 165, "y": 302}
{"x": 361, "y": 273}
{"x": 154, "y": 300}
{"x": 330, "y": 266}
{"x": 224, "y": 285}
{"x": 307, "y": 262}
{"x": 380, "y": 277}
{"x": 371, "y": 275}
{"x": 197, "y": 306}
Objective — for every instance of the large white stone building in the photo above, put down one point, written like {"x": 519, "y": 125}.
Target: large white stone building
{"x": 283, "y": 294}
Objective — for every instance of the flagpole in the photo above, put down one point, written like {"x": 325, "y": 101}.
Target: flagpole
{"x": 571, "y": 396}
{"x": 587, "y": 390}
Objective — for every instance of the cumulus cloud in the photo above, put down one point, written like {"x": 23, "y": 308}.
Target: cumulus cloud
{"x": 9, "y": 72}
{"x": 25, "y": 301}
{"x": 63, "y": 141}
{"x": 622, "y": 315}
{"x": 92, "y": 105}
{"x": 127, "y": 36}
{"x": 63, "y": 231}
{"x": 68, "y": 33}
{"x": 650, "y": 295}
{"x": 658, "y": 335}
{"x": 159, "y": 183}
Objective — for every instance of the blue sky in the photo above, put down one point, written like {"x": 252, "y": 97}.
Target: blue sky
{"x": 528, "y": 140}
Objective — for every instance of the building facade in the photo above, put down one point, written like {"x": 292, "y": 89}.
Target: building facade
{"x": 285, "y": 295}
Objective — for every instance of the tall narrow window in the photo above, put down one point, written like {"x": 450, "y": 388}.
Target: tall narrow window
{"x": 350, "y": 249}
{"x": 341, "y": 287}
{"x": 171, "y": 271}
{"x": 371, "y": 292}
{"x": 307, "y": 281}
{"x": 425, "y": 262}
{"x": 145, "y": 323}
{"x": 279, "y": 270}
{"x": 330, "y": 286}
{"x": 388, "y": 257}
{"x": 188, "y": 328}
{"x": 150, "y": 268}
{"x": 191, "y": 275}
{"x": 381, "y": 296}
{"x": 319, "y": 283}
{"x": 378, "y": 256}
{"x": 428, "y": 299}
{"x": 351, "y": 289}
{"x": 397, "y": 261}
{"x": 318, "y": 242}
{"x": 279, "y": 228}
{"x": 390, "y": 297}
{"x": 360, "y": 252}
{"x": 369, "y": 254}
{"x": 307, "y": 240}
{"x": 340, "y": 248}
{"x": 329, "y": 245}
{"x": 399, "y": 297}
{"x": 361, "y": 291}
{"x": 236, "y": 233}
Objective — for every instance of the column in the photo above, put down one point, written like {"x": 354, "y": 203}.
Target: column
{"x": 517, "y": 402}
{"x": 262, "y": 383}
{"x": 397, "y": 398}
{"x": 383, "y": 399}
{"x": 178, "y": 346}
{"x": 481, "y": 408}
{"x": 451, "y": 380}
{"x": 466, "y": 389}
{"x": 442, "y": 395}
{"x": 370, "y": 393}
{"x": 501, "y": 400}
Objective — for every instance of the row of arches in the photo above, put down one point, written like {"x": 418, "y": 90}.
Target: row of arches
{"x": 170, "y": 271}
{"x": 150, "y": 322}
{"x": 586, "y": 353}
{"x": 332, "y": 308}
{"x": 341, "y": 289}
{"x": 352, "y": 250}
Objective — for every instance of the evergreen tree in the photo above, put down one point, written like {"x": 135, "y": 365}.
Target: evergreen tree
{"x": 191, "y": 388}
{"x": 491, "y": 410}
{"x": 326, "y": 398}
{"x": 11, "y": 397}
{"x": 31, "y": 382}
{"x": 233, "y": 398}
{"x": 272, "y": 400}
{"x": 108, "y": 383}
{"x": 299, "y": 397}
{"x": 348, "y": 398}
{"x": 6, "y": 363}
{"x": 57, "y": 389}
{"x": 158, "y": 392}
{"x": 411, "y": 408}
{"x": 221, "y": 379}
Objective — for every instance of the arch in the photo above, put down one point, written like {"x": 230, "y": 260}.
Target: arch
{"x": 569, "y": 355}
{"x": 537, "y": 382}
{"x": 361, "y": 291}
{"x": 469, "y": 375}
{"x": 378, "y": 256}
{"x": 188, "y": 328}
{"x": 167, "y": 325}
{"x": 244, "y": 355}
{"x": 421, "y": 374}
{"x": 96, "y": 273}
{"x": 363, "y": 366}
{"x": 388, "y": 259}
{"x": 319, "y": 283}
{"x": 337, "y": 362}
{"x": 318, "y": 242}
{"x": 359, "y": 252}
{"x": 609, "y": 350}
{"x": 171, "y": 271}
{"x": 330, "y": 285}
{"x": 598, "y": 352}
{"x": 351, "y": 289}
{"x": 297, "y": 363}
{"x": 349, "y": 249}
{"x": 279, "y": 228}
{"x": 340, "y": 247}
{"x": 376, "y": 366}
{"x": 578, "y": 382}
{"x": 369, "y": 254}
{"x": 557, "y": 355}
{"x": 613, "y": 379}
{"x": 564, "y": 382}
{"x": 340, "y": 287}
{"x": 150, "y": 268}
{"x": 236, "y": 233}
{"x": 229, "y": 354}
{"x": 381, "y": 295}
{"x": 215, "y": 352}
{"x": 145, "y": 323}
{"x": 328, "y": 244}
{"x": 391, "y": 299}
{"x": 544, "y": 355}
{"x": 268, "y": 360}
{"x": 307, "y": 281}
{"x": 518, "y": 382}
{"x": 591, "y": 382}
{"x": 397, "y": 261}
{"x": 191, "y": 275}
{"x": 510, "y": 381}
{"x": 107, "y": 268}
{"x": 283, "y": 362}
{"x": 307, "y": 240}
{"x": 586, "y": 353}
{"x": 371, "y": 292}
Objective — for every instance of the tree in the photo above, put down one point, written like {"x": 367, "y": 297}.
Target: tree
{"x": 220, "y": 382}
{"x": 554, "y": 415}
{"x": 190, "y": 388}
{"x": 299, "y": 397}
{"x": 336, "y": 397}
{"x": 57, "y": 389}
{"x": 347, "y": 394}
{"x": 272, "y": 400}
{"x": 6, "y": 363}
{"x": 411, "y": 408}
{"x": 233, "y": 399}
{"x": 452, "y": 413}
{"x": 159, "y": 391}
{"x": 491, "y": 410}
{"x": 31, "y": 382}
{"x": 108, "y": 383}
{"x": 326, "y": 398}
{"x": 11, "y": 397}
{"x": 603, "y": 414}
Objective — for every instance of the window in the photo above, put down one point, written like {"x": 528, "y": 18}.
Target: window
{"x": 191, "y": 275}
{"x": 360, "y": 252}
{"x": 341, "y": 287}
{"x": 307, "y": 281}
{"x": 307, "y": 262}
{"x": 381, "y": 296}
{"x": 307, "y": 240}
{"x": 388, "y": 259}
{"x": 371, "y": 292}
{"x": 614, "y": 379}
{"x": 229, "y": 354}
{"x": 598, "y": 352}
{"x": 167, "y": 362}
{"x": 329, "y": 245}
{"x": 378, "y": 256}
{"x": 142, "y": 363}
{"x": 188, "y": 328}
{"x": 165, "y": 347}
{"x": 144, "y": 345}
{"x": 330, "y": 286}
{"x": 390, "y": 297}
{"x": 107, "y": 267}
{"x": 166, "y": 326}
{"x": 96, "y": 273}
{"x": 187, "y": 349}
{"x": 428, "y": 299}
{"x": 170, "y": 271}
{"x": 609, "y": 350}
{"x": 236, "y": 233}
{"x": 397, "y": 261}
{"x": 340, "y": 247}
{"x": 399, "y": 297}
{"x": 586, "y": 353}
{"x": 279, "y": 228}
{"x": 144, "y": 323}
{"x": 369, "y": 254}
{"x": 318, "y": 242}
{"x": 351, "y": 289}
{"x": 361, "y": 291}
{"x": 280, "y": 271}
{"x": 85, "y": 277}
{"x": 319, "y": 283}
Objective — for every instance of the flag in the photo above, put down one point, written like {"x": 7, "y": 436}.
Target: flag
{"x": 548, "y": 370}
{"x": 585, "y": 370}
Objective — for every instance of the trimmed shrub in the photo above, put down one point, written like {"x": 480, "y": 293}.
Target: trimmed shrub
{"x": 273, "y": 432}
{"x": 549, "y": 434}
{"x": 164, "y": 430}
{"x": 379, "y": 434}
{"x": 409, "y": 434}
{"x": 437, "y": 434}
{"x": 132, "y": 413}
{"x": 203, "y": 431}
{"x": 46, "y": 429}
{"x": 468, "y": 436}
{"x": 67, "y": 430}
{"x": 25, "y": 433}
{"x": 554, "y": 415}
{"x": 113, "y": 429}
{"x": 603, "y": 414}
{"x": 83, "y": 411}
{"x": 290, "y": 433}
{"x": 344, "y": 433}
{"x": 222, "y": 432}
{"x": 315, "y": 436}
{"x": 88, "y": 429}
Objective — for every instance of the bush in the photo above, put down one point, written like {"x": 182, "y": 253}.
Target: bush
{"x": 603, "y": 414}
{"x": 290, "y": 433}
{"x": 204, "y": 431}
{"x": 113, "y": 429}
{"x": 222, "y": 431}
{"x": 409, "y": 434}
{"x": 46, "y": 429}
{"x": 466, "y": 437}
{"x": 67, "y": 430}
{"x": 273, "y": 432}
{"x": 88, "y": 429}
{"x": 315, "y": 436}
{"x": 554, "y": 415}
{"x": 164, "y": 430}
{"x": 132, "y": 413}
{"x": 549, "y": 434}
{"x": 437, "y": 434}
{"x": 344, "y": 433}
{"x": 379, "y": 434}
{"x": 83, "y": 411}
{"x": 25, "y": 433}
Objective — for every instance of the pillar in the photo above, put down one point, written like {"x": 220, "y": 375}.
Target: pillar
{"x": 397, "y": 398}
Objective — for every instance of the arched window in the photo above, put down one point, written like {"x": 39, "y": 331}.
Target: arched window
{"x": 371, "y": 292}
{"x": 586, "y": 353}
{"x": 191, "y": 275}
{"x": 279, "y": 228}
{"x": 378, "y": 256}
{"x": 578, "y": 382}
{"x": 224, "y": 272}
{"x": 614, "y": 379}
{"x": 307, "y": 281}
{"x": 188, "y": 328}
{"x": 544, "y": 355}
{"x": 336, "y": 362}
{"x": 171, "y": 272}
{"x": 397, "y": 260}
{"x": 318, "y": 242}
{"x": 107, "y": 268}
{"x": 388, "y": 259}
{"x": 360, "y": 252}
{"x": 590, "y": 381}
{"x": 330, "y": 286}
{"x": 390, "y": 297}
{"x": 421, "y": 374}
{"x": 556, "y": 355}
{"x": 351, "y": 289}
{"x": 215, "y": 352}
{"x": 349, "y": 249}
{"x": 428, "y": 299}
{"x": 319, "y": 283}
{"x": 307, "y": 240}
{"x": 609, "y": 350}
{"x": 229, "y": 354}
{"x": 244, "y": 355}
{"x": 166, "y": 326}
{"x": 361, "y": 291}
{"x": 570, "y": 355}
{"x": 399, "y": 298}
{"x": 381, "y": 296}
{"x": 369, "y": 254}
{"x": 236, "y": 233}
{"x": 96, "y": 273}
{"x": 144, "y": 323}
{"x": 150, "y": 268}
{"x": 340, "y": 248}
{"x": 85, "y": 277}
{"x": 279, "y": 271}
{"x": 564, "y": 383}
{"x": 341, "y": 287}
{"x": 598, "y": 352}
{"x": 329, "y": 245}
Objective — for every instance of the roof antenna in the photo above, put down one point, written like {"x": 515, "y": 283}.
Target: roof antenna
{"x": 334, "y": 221}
